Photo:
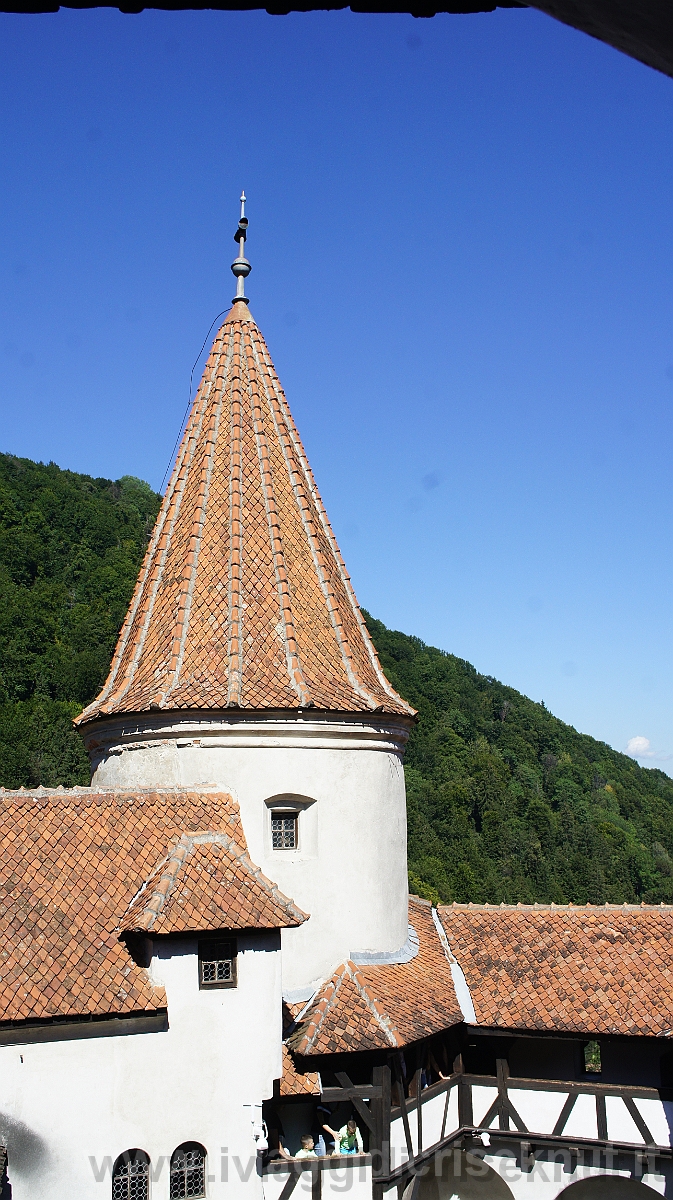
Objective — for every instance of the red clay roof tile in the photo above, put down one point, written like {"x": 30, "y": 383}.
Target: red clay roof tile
{"x": 586, "y": 970}
{"x": 74, "y": 861}
{"x": 379, "y": 1007}
{"x": 294, "y": 1082}
{"x": 207, "y": 881}
{"x": 243, "y": 600}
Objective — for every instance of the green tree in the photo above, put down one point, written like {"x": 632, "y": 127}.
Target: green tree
{"x": 70, "y": 550}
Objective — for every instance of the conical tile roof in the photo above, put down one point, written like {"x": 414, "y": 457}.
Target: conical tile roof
{"x": 243, "y": 600}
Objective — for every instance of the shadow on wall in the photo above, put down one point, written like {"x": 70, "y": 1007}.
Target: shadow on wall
{"x": 27, "y": 1153}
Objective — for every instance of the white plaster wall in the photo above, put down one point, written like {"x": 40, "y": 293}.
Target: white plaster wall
{"x": 71, "y": 1100}
{"x": 350, "y": 870}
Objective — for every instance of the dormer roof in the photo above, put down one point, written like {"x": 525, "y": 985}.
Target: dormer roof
{"x": 208, "y": 881}
{"x": 243, "y": 600}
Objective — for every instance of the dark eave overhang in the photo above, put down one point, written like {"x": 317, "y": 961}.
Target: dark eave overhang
{"x": 642, "y": 29}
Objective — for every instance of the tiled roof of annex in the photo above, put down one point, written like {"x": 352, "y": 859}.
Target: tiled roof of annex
{"x": 379, "y": 1007}
{"x": 73, "y": 862}
{"x": 590, "y": 969}
{"x": 243, "y": 600}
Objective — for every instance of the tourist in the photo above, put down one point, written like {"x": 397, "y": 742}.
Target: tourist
{"x": 307, "y": 1148}
{"x": 348, "y": 1140}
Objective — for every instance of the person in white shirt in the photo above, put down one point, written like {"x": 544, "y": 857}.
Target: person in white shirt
{"x": 307, "y": 1148}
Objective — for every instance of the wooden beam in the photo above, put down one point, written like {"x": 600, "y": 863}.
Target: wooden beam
{"x": 601, "y": 1119}
{"x": 397, "y": 1060}
{"x": 381, "y": 1113}
{"x": 419, "y": 1111}
{"x": 638, "y": 1121}
{"x": 575, "y": 1085}
{"x": 290, "y": 1184}
{"x": 359, "y": 1091}
{"x": 446, "y": 1113}
{"x": 502, "y": 1071}
{"x": 564, "y": 1114}
{"x": 358, "y": 1104}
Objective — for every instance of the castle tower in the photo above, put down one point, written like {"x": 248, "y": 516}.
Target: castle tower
{"x": 244, "y": 663}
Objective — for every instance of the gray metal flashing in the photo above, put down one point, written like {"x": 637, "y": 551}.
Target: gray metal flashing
{"x": 463, "y": 995}
{"x": 379, "y": 958}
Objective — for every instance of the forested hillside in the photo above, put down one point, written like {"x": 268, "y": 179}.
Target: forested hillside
{"x": 505, "y": 801}
{"x": 70, "y": 550}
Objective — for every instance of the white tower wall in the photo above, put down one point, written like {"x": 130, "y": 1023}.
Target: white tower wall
{"x": 341, "y": 775}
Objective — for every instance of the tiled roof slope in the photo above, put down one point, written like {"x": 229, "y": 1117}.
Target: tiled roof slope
{"x": 72, "y": 863}
{"x": 243, "y": 600}
{"x": 207, "y": 881}
{"x": 294, "y": 1082}
{"x": 590, "y": 970}
{"x": 379, "y": 1007}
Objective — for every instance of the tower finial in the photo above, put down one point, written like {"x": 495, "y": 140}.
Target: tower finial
{"x": 240, "y": 266}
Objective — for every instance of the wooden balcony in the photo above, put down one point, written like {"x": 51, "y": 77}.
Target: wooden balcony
{"x": 583, "y": 1122}
{"x": 576, "y": 1116}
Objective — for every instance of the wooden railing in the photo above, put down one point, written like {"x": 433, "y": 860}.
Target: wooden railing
{"x": 570, "y": 1115}
{"x": 553, "y": 1111}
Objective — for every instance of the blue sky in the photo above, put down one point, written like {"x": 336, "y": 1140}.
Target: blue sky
{"x": 462, "y": 257}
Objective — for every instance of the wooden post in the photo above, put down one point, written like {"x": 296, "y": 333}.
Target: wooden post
{"x": 419, "y": 1113}
{"x": 465, "y": 1115}
{"x": 397, "y": 1060}
{"x": 502, "y": 1069}
{"x": 601, "y": 1119}
{"x": 380, "y": 1110}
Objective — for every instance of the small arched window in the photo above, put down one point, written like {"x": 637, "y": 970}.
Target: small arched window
{"x": 188, "y": 1171}
{"x": 131, "y": 1176}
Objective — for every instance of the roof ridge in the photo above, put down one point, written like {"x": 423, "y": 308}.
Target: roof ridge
{"x": 91, "y": 793}
{"x": 376, "y": 1008}
{"x": 331, "y": 990}
{"x": 173, "y": 861}
{"x": 285, "y": 436}
{"x": 168, "y": 515}
{"x": 294, "y": 668}
{"x": 234, "y": 633}
{"x": 190, "y": 564}
{"x": 303, "y": 1042}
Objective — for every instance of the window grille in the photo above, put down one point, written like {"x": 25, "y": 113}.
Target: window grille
{"x": 131, "y": 1176}
{"x": 284, "y": 831}
{"x": 188, "y": 1171}
{"x": 217, "y": 964}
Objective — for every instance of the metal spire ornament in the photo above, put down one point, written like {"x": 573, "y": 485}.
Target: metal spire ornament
{"x": 240, "y": 266}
